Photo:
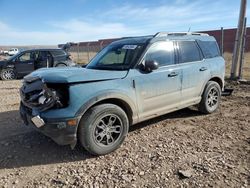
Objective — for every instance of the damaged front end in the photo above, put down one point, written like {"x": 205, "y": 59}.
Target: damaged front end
{"x": 37, "y": 98}
{"x": 40, "y": 96}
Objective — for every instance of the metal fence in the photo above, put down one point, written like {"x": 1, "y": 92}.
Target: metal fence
{"x": 83, "y": 52}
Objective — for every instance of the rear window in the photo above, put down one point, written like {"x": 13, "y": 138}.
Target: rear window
{"x": 57, "y": 52}
{"x": 188, "y": 51}
{"x": 210, "y": 49}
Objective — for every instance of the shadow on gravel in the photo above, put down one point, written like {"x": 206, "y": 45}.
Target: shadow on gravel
{"x": 184, "y": 113}
{"x": 21, "y": 146}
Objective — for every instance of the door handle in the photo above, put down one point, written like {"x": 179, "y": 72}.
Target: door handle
{"x": 203, "y": 68}
{"x": 173, "y": 74}
{"x": 30, "y": 63}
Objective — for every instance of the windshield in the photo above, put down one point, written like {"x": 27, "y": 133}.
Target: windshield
{"x": 116, "y": 57}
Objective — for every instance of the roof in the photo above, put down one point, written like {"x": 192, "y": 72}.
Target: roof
{"x": 134, "y": 40}
{"x": 182, "y": 36}
{"x": 163, "y": 36}
{"x": 41, "y": 49}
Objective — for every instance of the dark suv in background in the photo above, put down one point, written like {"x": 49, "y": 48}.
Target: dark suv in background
{"x": 27, "y": 61}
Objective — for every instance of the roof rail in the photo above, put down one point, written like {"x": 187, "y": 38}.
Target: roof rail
{"x": 162, "y": 34}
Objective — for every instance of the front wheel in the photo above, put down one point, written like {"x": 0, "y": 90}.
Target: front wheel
{"x": 8, "y": 74}
{"x": 103, "y": 129}
{"x": 210, "y": 98}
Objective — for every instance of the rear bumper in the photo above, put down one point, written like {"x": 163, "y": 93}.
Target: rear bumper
{"x": 57, "y": 129}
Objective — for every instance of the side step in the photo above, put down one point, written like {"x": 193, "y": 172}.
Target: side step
{"x": 227, "y": 92}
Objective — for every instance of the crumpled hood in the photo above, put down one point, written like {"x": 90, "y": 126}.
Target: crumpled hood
{"x": 75, "y": 74}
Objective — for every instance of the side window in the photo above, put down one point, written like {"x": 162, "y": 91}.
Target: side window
{"x": 188, "y": 51}
{"x": 35, "y": 55}
{"x": 210, "y": 49}
{"x": 162, "y": 53}
{"x": 25, "y": 57}
{"x": 42, "y": 56}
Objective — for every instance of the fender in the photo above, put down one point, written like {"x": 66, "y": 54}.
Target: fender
{"x": 211, "y": 78}
{"x": 110, "y": 95}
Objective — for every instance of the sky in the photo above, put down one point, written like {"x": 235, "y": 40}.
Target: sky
{"x": 51, "y": 22}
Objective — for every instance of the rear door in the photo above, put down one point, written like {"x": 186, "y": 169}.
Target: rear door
{"x": 195, "y": 70}
{"x": 24, "y": 64}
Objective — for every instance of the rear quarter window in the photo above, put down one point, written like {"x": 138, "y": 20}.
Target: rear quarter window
{"x": 209, "y": 49}
{"x": 58, "y": 53}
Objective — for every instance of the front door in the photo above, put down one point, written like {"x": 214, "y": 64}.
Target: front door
{"x": 24, "y": 64}
{"x": 160, "y": 90}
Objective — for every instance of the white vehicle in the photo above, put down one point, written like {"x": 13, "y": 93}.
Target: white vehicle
{"x": 13, "y": 51}
{"x": 5, "y": 52}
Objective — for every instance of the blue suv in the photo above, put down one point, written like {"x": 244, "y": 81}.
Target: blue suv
{"x": 129, "y": 81}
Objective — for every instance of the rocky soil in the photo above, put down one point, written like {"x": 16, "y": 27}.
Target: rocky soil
{"x": 181, "y": 149}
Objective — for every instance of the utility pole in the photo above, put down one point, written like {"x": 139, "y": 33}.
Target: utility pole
{"x": 222, "y": 41}
{"x": 242, "y": 53}
{"x": 238, "y": 40}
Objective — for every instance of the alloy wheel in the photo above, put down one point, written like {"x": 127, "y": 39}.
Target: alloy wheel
{"x": 213, "y": 97}
{"x": 107, "y": 130}
{"x": 8, "y": 74}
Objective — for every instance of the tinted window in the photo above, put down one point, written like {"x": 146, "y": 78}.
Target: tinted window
{"x": 162, "y": 53}
{"x": 42, "y": 55}
{"x": 57, "y": 52}
{"x": 188, "y": 51}
{"x": 209, "y": 48}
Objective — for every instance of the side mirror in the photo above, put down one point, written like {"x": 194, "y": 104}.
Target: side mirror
{"x": 151, "y": 65}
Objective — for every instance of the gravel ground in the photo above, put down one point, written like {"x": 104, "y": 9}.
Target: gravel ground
{"x": 181, "y": 149}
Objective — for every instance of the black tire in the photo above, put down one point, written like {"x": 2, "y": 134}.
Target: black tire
{"x": 210, "y": 98}
{"x": 8, "y": 74}
{"x": 101, "y": 123}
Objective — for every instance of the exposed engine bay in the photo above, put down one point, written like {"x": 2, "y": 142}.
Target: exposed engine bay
{"x": 40, "y": 96}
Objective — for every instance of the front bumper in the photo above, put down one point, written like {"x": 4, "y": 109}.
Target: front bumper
{"x": 57, "y": 129}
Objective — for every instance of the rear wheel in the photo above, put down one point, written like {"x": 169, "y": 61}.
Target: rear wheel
{"x": 61, "y": 65}
{"x": 103, "y": 129}
{"x": 210, "y": 98}
{"x": 8, "y": 74}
